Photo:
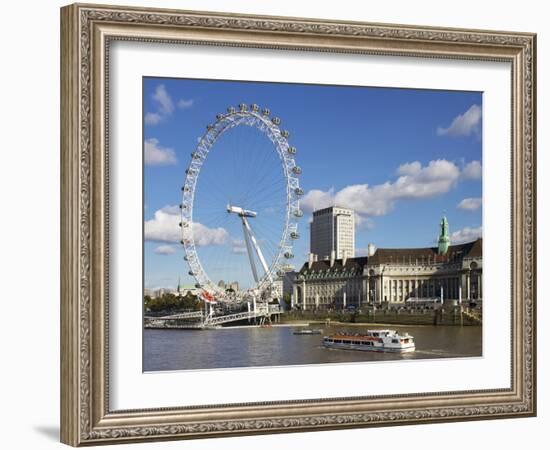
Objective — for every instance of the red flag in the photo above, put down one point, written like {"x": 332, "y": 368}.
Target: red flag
{"x": 207, "y": 297}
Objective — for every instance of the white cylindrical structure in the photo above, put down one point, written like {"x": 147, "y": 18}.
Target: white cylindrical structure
{"x": 371, "y": 249}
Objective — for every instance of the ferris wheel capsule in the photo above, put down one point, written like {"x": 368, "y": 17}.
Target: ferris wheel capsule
{"x": 298, "y": 191}
{"x": 231, "y": 110}
{"x": 254, "y": 107}
{"x": 276, "y": 120}
{"x": 266, "y": 112}
{"x": 243, "y": 107}
{"x": 285, "y": 133}
{"x": 219, "y": 116}
{"x": 296, "y": 170}
{"x": 298, "y": 213}
{"x": 292, "y": 150}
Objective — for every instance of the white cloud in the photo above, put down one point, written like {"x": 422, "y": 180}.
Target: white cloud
{"x": 466, "y": 234}
{"x": 470, "y": 204}
{"x": 164, "y": 106}
{"x": 363, "y": 223}
{"x": 472, "y": 171}
{"x": 414, "y": 182}
{"x": 204, "y": 236}
{"x": 409, "y": 168}
{"x": 184, "y": 104}
{"x": 155, "y": 155}
{"x": 317, "y": 199}
{"x": 152, "y": 118}
{"x": 464, "y": 124}
{"x": 238, "y": 246}
{"x": 164, "y": 250}
{"x": 164, "y": 227}
{"x": 164, "y": 102}
{"x": 171, "y": 209}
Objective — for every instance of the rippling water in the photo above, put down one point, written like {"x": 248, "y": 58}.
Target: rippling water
{"x": 278, "y": 346}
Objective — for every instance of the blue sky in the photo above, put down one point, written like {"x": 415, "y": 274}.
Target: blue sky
{"x": 399, "y": 157}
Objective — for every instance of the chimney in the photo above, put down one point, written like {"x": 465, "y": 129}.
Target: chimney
{"x": 344, "y": 257}
{"x": 332, "y": 257}
{"x": 311, "y": 260}
{"x": 371, "y": 249}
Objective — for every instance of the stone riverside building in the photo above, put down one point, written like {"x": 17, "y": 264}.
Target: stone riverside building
{"x": 392, "y": 276}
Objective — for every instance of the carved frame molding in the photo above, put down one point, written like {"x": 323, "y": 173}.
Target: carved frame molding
{"x": 86, "y": 32}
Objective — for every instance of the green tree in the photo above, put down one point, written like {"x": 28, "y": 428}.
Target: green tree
{"x": 287, "y": 299}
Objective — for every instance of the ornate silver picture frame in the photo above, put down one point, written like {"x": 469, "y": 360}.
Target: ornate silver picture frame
{"x": 87, "y": 34}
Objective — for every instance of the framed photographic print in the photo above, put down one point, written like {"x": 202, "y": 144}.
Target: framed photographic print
{"x": 277, "y": 225}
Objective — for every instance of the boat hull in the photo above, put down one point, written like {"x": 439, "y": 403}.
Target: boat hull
{"x": 367, "y": 348}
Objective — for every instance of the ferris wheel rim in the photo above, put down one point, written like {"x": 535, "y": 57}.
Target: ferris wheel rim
{"x": 269, "y": 126}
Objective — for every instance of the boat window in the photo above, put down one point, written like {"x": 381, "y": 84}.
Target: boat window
{"x": 395, "y": 341}
{"x": 337, "y": 341}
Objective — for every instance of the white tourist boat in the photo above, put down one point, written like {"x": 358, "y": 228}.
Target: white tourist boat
{"x": 372, "y": 341}
{"x": 307, "y": 332}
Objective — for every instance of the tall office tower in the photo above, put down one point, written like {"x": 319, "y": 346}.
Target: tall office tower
{"x": 333, "y": 229}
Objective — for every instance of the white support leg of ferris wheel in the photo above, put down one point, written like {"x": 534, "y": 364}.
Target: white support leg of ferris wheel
{"x": 251, "y": 243}
{"x": 249, "y": 250}
{"x": 252, "y": 239}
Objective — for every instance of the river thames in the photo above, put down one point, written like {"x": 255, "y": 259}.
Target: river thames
{"x": 277, "y": 346}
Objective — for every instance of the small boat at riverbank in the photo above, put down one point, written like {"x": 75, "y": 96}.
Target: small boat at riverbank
{"x": 372, "y": 341}
{"x": 307, "y": 332}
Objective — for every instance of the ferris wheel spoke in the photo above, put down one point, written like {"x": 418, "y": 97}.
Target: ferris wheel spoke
{"x": 262, "y": 172}
{"x": 265, "y": 188}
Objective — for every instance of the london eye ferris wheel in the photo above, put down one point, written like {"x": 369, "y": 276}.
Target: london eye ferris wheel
{"x": 240, "y": 206}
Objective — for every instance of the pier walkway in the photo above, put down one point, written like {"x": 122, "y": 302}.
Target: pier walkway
{"x": 198, "y": 319}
